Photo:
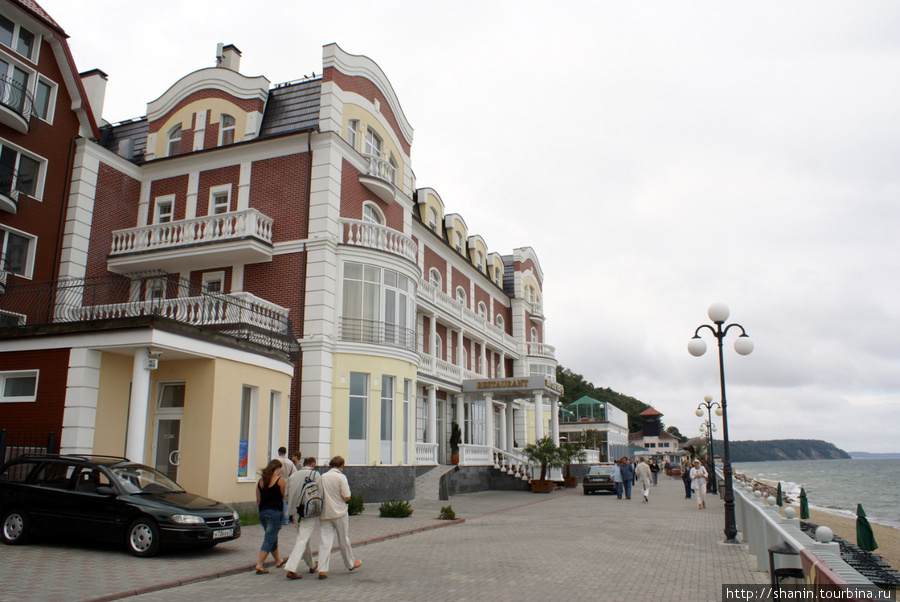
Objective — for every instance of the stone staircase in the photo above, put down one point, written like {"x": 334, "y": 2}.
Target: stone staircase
{"x": 428, "y": 485}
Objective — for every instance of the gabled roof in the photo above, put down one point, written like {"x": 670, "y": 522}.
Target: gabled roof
{"x": 586, "y": 401}
{"x": 650, "y": 412}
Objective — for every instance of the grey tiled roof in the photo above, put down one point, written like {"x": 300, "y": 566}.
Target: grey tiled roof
{"x": 291, "y": 107}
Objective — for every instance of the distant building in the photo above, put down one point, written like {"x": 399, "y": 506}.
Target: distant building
{"x": 657, "y": 442}
{"x": 249, "y": 266}
{"x": 597, "y": 425}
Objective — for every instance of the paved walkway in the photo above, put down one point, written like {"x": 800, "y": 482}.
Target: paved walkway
{"x": 508, "y": 545}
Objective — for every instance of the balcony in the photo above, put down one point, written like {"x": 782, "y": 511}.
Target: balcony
{"x": 542, "y": 350}
{"x": 9, "y": 196}
{"x": 376, "y": 332}
{"x": 380, "y": 178}
{"x": 193, "y": 244}
{"x": 381, "y": 238}
{"x": 242, "y": 316}
{"x": 535, "y": 311}
{"x": 16, "y": 104}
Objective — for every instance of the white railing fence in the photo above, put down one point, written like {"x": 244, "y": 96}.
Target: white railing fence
{"x": 426, "y": 453}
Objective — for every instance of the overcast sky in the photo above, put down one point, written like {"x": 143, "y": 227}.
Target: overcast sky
{"x": 658, "y": 156}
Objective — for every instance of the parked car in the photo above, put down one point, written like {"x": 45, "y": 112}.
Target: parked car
{"x": 107, "y": 498}
{"x": 599, "y": 478}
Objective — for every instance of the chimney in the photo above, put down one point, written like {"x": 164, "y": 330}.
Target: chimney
{"x": 94, "y": 82}
{"x": 229, "y": 57}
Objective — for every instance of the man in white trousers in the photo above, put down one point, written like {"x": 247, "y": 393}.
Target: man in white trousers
{"x": 305, "y": 524}
{"x": 334, "y": 517}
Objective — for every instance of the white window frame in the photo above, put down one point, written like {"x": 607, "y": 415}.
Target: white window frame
{"x": 51, "y": 98}
{"x": 432, "y": 218}
{"x": 28, "y": 268}
{"x": 479, "y": 260}
{"x": 153, "y": 285}
{"x": 373, "y": 145}
{"x": 250, "y": 398}
{"x": 534, "y": 335}
{"x": 42, "y": 169}
{"x": 210, "y": 277}
{"x": 501, "y": 323}
{"x": 216, "y": 192}
{"x": 170, "y": 140}
{"x": 482, "y": 310}
{"x": 461, "y": 296}
{"x": 436, "y": 347}
{"x": 353, "y": 133}
{"x": 232, "y": 129}
{"x": 16, "y": 35}
{"x": 434, "y": 277}
{"x": 158, "y": 203}
{"x": 358, "y": 448}
{"x": 459, "y": 243}
{"x": 372, "y": 214}
{"x": 4, "y": 376}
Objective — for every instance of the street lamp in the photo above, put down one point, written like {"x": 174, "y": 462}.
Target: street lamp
{"x": 708, "y": 403}
{"x": 718, "y": 313}
{"x": 707, "y": 429}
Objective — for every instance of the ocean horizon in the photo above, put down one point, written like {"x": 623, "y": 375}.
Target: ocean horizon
{"x": 837, "y": 486}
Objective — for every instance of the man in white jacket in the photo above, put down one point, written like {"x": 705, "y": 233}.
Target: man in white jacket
{"x": 305, "y": 524}
{"x": 643, "y": 474}
{"x": 334, "y": 517}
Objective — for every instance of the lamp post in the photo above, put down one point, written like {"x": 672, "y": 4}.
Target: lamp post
{"x": 708, "y": 403}
{"x": 718, "y": 313}
{"x": 707, "y": 429}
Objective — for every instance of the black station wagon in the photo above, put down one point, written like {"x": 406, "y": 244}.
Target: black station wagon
{"x": 107, "y": 498}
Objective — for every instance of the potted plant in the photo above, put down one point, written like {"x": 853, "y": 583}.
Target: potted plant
{"x": 455, "y": 440}
{"x": 568, "y": 453}
{"x": 543, "y": 452}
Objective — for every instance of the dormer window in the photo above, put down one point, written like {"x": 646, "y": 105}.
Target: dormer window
{"x": 432, "y": 218}
{"x": 459, "y": 243}
{"x": 497, "y": 274}
{"x": 174, "y": 141}
{"x": 353, "y": 133}
{"x": 226, "y": 130}
{"x": 16, "y": 37}
{"x": 373, "y": 143}
{"x": 479, "y": 260}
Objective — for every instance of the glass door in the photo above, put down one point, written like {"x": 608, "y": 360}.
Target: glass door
{"x": 167, "y": 440}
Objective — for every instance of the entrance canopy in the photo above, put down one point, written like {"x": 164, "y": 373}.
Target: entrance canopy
{"x": 513, "y": 388}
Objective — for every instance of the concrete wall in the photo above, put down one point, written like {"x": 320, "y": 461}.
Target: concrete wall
{"x": 382, "y": 483}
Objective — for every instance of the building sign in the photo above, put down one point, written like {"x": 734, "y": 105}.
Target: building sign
{"x": 527, "y": 386}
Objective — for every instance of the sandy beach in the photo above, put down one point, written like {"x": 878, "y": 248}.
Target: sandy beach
{"x": 888, "y": 538}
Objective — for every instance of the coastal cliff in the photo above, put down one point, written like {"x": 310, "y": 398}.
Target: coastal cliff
{"x": 782, "y": 449}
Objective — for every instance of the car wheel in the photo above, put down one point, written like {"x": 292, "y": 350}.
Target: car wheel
{"x": 143, "y": 538}
{"x": 16, "y": 527}
{"x": 586, "y": 492}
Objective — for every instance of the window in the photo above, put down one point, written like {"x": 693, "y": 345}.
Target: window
{"x": 18, "y": 386}
{"x": 219, "y": 200}
{"x": 16, "y": 251}
{"x": 479, "y": 260}
{"x": 372, "y": 214}
{"x": 43, "y": 100}
{"x": 13, "y": 86}
{"x": 534, "y": 335}
{"x": 359, "y": 401}
{"x": 19, "y": 172}
{"x": 171, "y": 395}
{"x": 432, "y": 218}
{"x": 500, "y": 322}
{"x": 226, "y": 130}
{"x": 393, "y": 171}
{"x": 387, "y": 419}
{"x": 247, "y": 433}
{"x": 461, "y": 295}
{"x": 214, "y": 282}
{"x": 459, "y": 243}
{"x": 482, "y": 309}
{"x": 434, "y": 277}
{"x": 497, "y": 275}
{"x": 16, "y": 37}
{"x": 529, "y": 293}
{"x": 378, "y": 306}
{"x": 174, "y": 140}
{"x": 372, "y": 144}
{"x": 407, "y": 396}
{"x": 156, "y": 289}
{"x": 164, "y": 209}
{"x": 353, "y": 133}
{"x": 438, "y": 347}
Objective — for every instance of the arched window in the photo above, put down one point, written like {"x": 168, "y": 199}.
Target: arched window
{"x": 479, "y": 263}
{"x": 534, "y": 335}
{"x": 438, "y": 346}
{"x": 465, "y": 359}
{"x": 226, "y": 130}
{"x": 482, "y": 309}
{"x": 500, "y": 322}
{"x": 434, "y": 276}
{"x": 461, "y": 295}
{"x": 459, "y": 243}
{"x": 372, "y": 214}
{"x": 529, "y": 293}
{"x": 432, "y": 218}
{"x": 174, "y": 140}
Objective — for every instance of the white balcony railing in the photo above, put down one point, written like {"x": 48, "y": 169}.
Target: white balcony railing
{"x": 475, "y": 455}
{"x": 381, "y": 238}
{"x": 430, "y": 293}
{"x": 209, "y": 229}
{"x": 542, "y": 350}
{"x": 381, "y": 168}
{"x": 426, "y": 453}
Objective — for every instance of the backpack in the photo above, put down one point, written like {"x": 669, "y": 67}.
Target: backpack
{"x": 310, "y": 497}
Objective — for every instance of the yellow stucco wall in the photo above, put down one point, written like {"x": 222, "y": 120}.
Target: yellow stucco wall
{"x": 185, "y": 115}
{"x": 366, "y": 119}
{"x": 375, "y": 367}
{"x": 112, "y": 404}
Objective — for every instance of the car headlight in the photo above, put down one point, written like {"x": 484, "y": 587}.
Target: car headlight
{"x": 237, "y": 518}
{"x": 188, "y": 519}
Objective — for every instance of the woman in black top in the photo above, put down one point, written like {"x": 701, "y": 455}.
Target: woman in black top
{"x": 270, "y": 500}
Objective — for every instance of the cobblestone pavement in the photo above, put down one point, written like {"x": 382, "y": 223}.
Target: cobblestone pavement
{"x": 511, "y": 546}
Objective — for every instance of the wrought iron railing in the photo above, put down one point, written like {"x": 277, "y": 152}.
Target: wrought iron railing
{"x": 13, "y": 445}
{"x": 374, "y": 331}
{"x": 15, "y": 97}
{"x": 243, "y": 316}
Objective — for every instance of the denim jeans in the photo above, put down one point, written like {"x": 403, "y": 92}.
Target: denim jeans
{"x": 627, "y": 485}
{"x": 271, "y": 524}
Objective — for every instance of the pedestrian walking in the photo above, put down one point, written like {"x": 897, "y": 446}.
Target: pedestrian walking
{"x": 686, "y": 479}
{"x": 654, "y": 471}
{"x": 287, "y": 469}
{"x": 617, "y": 478}
{"x": 627, "y": 476}
{"x": 270, "y": 502}
{"x": 306, "y": 522}
{"x": 698, "y": 480}
{"x": 334, "y": 518}
{"x": 642, "y": 475}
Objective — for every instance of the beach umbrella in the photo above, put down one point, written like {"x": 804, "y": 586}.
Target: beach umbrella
{"x": 804, "y": 505}
{"x": 865, "y": 538}
{"x": 778, "y": 498}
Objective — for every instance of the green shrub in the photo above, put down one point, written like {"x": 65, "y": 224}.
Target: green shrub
{"x": 356, "y": 504}
{"x": 248, "y": 512}
{"x": 447, "y": 513}
{"x": 395, "y": 509}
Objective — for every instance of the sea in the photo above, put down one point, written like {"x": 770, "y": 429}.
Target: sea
{"x": 837, "y": 486}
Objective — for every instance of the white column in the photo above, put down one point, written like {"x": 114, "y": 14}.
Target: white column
{"x": 459, "y": 350}
{"x": 502, "y": 441}
{"x": 538, "y": 415}
{"x": 489, "y": 420}
{"x": 502, "y": 365}
{"x": 80, "y": 414}
{"x": 431, "y": 427}
{"x": 137, "y": 407}
{"x": 554, "y": 421}
{"x": 461, "y": 416}
{"x": 485, "y": 371}
{"x": 510, "y": 426}
{"x": 432, "y": 320}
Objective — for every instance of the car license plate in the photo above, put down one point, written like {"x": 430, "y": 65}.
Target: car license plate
{"x": 223, "y": 533}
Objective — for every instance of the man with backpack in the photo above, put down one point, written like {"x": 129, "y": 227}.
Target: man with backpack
{"x": 304, "y": 501}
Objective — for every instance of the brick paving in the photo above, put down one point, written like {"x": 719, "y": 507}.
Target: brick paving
{"x": 507, "y": 546}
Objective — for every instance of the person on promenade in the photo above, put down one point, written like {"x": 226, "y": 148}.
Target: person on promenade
{"x": 627, "y": 476}
{"x": 642, "y": 475}
{"x": 698, "y": 478}
{"x": 686, "y": 479}
{"x": 654, "y": 471}
{"x": 334, "y": 518}
{"x": 617, "y": 478}
{"x": 287, "y": 469}
{"x": 270, "y": 501}
{"x": 305, "y": 524}
{"x": 297, "y": 459}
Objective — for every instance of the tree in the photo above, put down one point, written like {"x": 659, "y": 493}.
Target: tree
{"x": 543, "y": 452}
{"x": 568, "y": 453}
{"x": 673, "y": 430}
